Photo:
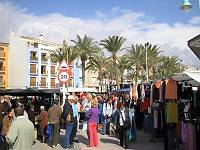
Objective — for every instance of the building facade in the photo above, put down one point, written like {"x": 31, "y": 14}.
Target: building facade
{"x": 30, "y": 64}
{"x": 3, "y": 65}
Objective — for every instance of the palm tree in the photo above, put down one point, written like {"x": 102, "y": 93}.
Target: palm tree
{"x": 113, "y": 44}
{"x": 86, "y": 47}
{"x": 136, "y": 57}
{"x": 130, "y": 73}
{"x": 68, "y": 53}
{"x": 99, "y": 63}
{"x": 122, "y": 65}
{"x": 168, "y": 66}
{"x": 152, "y": 57}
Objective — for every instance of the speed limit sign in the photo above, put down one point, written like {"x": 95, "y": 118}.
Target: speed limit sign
{"x": 63, "y": 76}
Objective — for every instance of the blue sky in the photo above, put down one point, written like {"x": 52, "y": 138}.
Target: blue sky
{"x": 159, "y": 22}
{"x": 160, "y": 10}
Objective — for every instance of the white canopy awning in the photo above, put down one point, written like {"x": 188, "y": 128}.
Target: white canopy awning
{"x": 85, "y": 89}
{"x": 193, "y": 74}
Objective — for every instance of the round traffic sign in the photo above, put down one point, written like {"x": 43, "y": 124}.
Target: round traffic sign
{"x": 63, "y": 76}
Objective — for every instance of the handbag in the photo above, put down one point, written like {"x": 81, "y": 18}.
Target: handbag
{"x": 69, "y": 116}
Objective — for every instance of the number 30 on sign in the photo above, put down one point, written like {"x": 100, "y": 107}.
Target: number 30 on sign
{"x": 63, "y": 76}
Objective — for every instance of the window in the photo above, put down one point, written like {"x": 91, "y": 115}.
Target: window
{"x": 1, "y": 81}
{"x": 53, "y": 82}
{"x": 44, "y": 57}
{"x": 35, "y": 45}
{"x": 53, "y": 68}
{"x": 33, "y": 56}
{"x": 43, "y": 82}
{"x": 43, "y": 70}
{"x": 32, "y": 81}
{"x": 53, "y": 59}
{"x": 2, "y": 53}
{"x": 1, "y": 66}
{"x": 33, "y": 68}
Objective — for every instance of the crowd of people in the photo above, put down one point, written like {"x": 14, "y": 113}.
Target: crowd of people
{"x": 97, "y": 113}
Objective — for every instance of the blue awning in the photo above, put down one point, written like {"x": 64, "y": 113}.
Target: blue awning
{"x": 124, "y": 90}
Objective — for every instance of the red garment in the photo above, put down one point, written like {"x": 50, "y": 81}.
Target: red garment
{"x": 145, "y": 104}
{"x": 93, "y": 135}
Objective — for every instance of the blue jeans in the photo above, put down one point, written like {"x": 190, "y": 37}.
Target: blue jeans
{"x": 100, "y": 120}
{"x": 68, "y": 132}
{"x": 106, "y": 126}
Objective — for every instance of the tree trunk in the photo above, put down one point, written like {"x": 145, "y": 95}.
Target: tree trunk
{"x": 136, "y": 74}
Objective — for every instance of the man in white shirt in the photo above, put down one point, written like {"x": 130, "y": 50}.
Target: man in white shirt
{"x": 107, "y": 113}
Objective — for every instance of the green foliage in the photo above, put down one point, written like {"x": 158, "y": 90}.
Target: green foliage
{"x": 167, "y": 66}
{"x": 86, "y": 47}
{"x": 133, "y": 61}
{"x": 99, "y": 63}
{"x": 68, "y": 53}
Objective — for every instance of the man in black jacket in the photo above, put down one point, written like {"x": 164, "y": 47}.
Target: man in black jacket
{"x": 123, "y": 123}
{"x": 68, "y": 118}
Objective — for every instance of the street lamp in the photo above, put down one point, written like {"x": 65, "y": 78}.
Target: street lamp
{"x": 186, "y": 5}
{"x": 147, "y": 72}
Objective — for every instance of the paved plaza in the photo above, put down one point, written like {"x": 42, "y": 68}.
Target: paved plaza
{"x": 107, "y": 143}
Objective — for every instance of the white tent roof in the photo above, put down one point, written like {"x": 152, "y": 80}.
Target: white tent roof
{"x": 194, "y": 75}
{"x": 85, "y": 89}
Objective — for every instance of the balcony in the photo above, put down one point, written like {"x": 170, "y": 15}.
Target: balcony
{"x": 53, "y": 71}
{"x": 33, "y": 56}
{"x": 33, "y": 59}
{"x": 32, "y": 81}
{"x": 2, "y": 84}
{"x": 33, "y": 69}
{"x": 2, "y": 68}
{"x": 2, "y": 54}
{"x": 53, "y": 82}
{"x": 43, "y": 70}
{"x": 53, "y": 59}
{"x": 43, "y": 82}
{"x": 44, "y": 58}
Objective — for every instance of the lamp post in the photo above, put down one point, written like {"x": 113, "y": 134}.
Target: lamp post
{"x": 146, "y": 58}
{"x": 186, "y": 5}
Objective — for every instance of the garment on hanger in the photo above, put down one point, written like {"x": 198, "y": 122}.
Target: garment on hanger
{"x": 172, "y": 112}
{"x": 151, "y": 94}
{"x": 156, "y": 90}
{"x": 143, "y": 92}
{"x": 171, "y": 89}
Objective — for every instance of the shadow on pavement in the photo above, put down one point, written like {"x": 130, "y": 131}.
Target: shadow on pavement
{"x": 111, "y": 141}
{"x": 83, "y": 139}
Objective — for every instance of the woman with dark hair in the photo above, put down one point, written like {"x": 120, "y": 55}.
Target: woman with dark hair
{"x": 7, "y": 120}
{"x": 123, "y": 123}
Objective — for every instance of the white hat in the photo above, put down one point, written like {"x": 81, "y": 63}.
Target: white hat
{"x": 42, "y": 108}
{"x": 71, "y": 97}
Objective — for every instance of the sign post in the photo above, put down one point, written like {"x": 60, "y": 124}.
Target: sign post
{"x": 63, "y": 77}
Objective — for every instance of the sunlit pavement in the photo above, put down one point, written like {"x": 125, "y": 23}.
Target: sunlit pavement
{"x": 107, "y": 143}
